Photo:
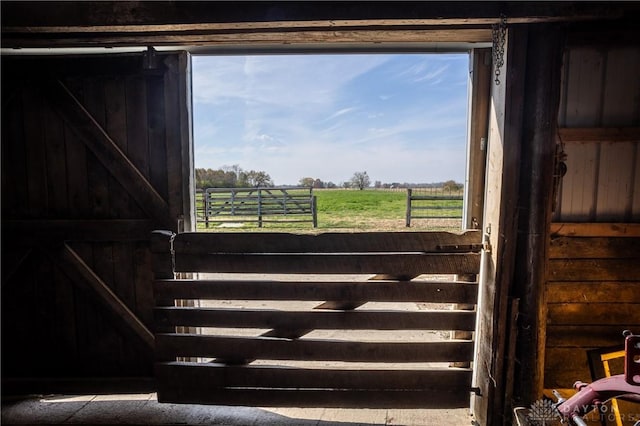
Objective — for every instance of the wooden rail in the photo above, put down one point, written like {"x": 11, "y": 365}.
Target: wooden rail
{"x": 227, "y": 365}
{"x": 431, "y": 203}
{"x": 254, "y": 204}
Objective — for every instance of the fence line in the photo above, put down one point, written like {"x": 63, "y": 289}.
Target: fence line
{"x": 447, "y": 205}
{"x": 239, "y": 205}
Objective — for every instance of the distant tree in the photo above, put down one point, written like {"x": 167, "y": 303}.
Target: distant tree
{"x": 256, "y": 179}
{"x": 318, "y": 183}
{"x": 331, "y": 185}
{"x": 306, "y": 181}
{"x": 451, "y": 185}
{"x": 346, "y": 185}
{"x": 360, "y": 180}
{"x": 377, "y": 184}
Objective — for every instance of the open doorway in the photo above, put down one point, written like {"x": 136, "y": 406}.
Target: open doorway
{"x": 357, "y": 131}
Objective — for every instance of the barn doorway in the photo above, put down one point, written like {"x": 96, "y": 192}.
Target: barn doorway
{"x": 319, "y": 113}
{"x": 393, "y": 126}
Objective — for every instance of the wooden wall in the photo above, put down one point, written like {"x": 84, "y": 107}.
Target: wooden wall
{"x": 94, "y": 156}
{"x": 593, "y": 288}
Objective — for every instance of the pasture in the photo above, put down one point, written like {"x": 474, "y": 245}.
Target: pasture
{"x": 351, "y": 210}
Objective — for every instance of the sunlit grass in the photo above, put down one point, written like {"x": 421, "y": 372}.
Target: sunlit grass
{"x": 353, "y": 210}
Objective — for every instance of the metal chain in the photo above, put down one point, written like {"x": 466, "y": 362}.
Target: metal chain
{"x": 498, "y": 35}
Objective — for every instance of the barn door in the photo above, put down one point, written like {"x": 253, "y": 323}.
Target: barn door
{"x": 96, "y": 153}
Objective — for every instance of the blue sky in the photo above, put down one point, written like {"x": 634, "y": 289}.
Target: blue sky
{"x": 401, "y": 118}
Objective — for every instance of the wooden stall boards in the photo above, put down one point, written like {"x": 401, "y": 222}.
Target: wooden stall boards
{"x": 290, "y": 363}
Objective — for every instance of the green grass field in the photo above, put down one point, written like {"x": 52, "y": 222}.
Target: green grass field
{"x": 343, "y": 210}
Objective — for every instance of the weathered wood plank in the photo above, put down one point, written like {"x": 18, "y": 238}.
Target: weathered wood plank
{"x": 36, "y": 162}
{"x": 156, "y": 134}
{"x": 396, "y": 264}
{"x": 373, "y": 291}
{"x": 566, "y": 229}
{"x": 327, "y": 320}
{"x": 587, "y": 336}
{"x": 361, "y": 242}
{"x": 93, "y": 100}
{"x": 75, "y": 267}
{"x": 269, "y": 38}
{"x": 594, "y": 248}
{"x": 237, "y": 348}
{"x": 36, "y": 230}
{"x": 594, "y": 314}
{"x": 594, "y": 270}
{"x": 599, "y": 134}
{"x": 328, "y": 398}
{"x": 593, "y": 292}
{"x": 116, "y": 127}
{"x": 56, "y": 163}
{"x": 221, "y": 376}
{"x": 109, "y": 154}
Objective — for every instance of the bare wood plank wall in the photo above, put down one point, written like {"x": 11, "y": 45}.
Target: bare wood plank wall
{"x": 592, "y": 296}
{"x": 302, "y": 353}
{"x": 78, "y": 300}
{"x": 593, "y": 276}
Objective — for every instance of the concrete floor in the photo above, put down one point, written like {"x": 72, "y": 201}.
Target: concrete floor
{"x": 143, "y": 409}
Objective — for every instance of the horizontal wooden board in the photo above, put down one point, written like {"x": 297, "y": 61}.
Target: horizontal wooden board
{"x": 326, "y": 398}
{"x": 411, "y": 264}
{"x": 593, "y": 314}
{"x": 587, "y": 336}
{"x": 373, "y": 291}
{"x": 593, "y": 292}
{"x": 36, "y": 230}
{"x": 171, "y": 345}
{"x": 221, "y": 376}
{"x": 325, "y": 320}
{"x": 565, "y": 377}
{"x": 569, "y": 229}
{"x": 599, "y": 134}
{"x": 360, "y": 242}
{"x": 594, "y": 270}
{"x": 595, "y": 248}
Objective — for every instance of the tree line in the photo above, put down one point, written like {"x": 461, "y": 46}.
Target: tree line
{"x": 235, "y": 177}
{"x": 231, "y": 177}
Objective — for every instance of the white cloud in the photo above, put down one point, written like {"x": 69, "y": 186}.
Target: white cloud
{"x": 327, "y": 116}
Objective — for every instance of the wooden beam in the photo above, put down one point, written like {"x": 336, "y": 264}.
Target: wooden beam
{"x": 328, "y": 242}
{"x": 108, "y": 152}
{"x": 565, "y": 229}
{"x": 478, "y": 134}
{"x": 538, "y": 141}
{"x": 33, "y": 231}
{"x": 170, "y": 345}
{"x": 159, "y": 16}
{"x": 316, "y": 319}
{"x": 259, "y": 376}
{"x": 599, "y": 134}
{"x": 372, "y": 291}
{"x": 81, "y": 274}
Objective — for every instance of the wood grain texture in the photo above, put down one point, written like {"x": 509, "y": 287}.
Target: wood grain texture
{"x": 222, "y": 376}
{"x": 238, "y": 348}
{"x": 319, "y": 320}
{"x": 373, "y": 291}
{"x": 394, "y": 264}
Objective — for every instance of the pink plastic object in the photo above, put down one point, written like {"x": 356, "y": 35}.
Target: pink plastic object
{"x": 598, "y": 392}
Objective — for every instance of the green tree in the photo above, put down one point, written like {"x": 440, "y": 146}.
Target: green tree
{"x": 451, "y": 186}
{"x": 256, "y": 179}
{"x": 306, "y": 181}
{"x": 360, "y": 180}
